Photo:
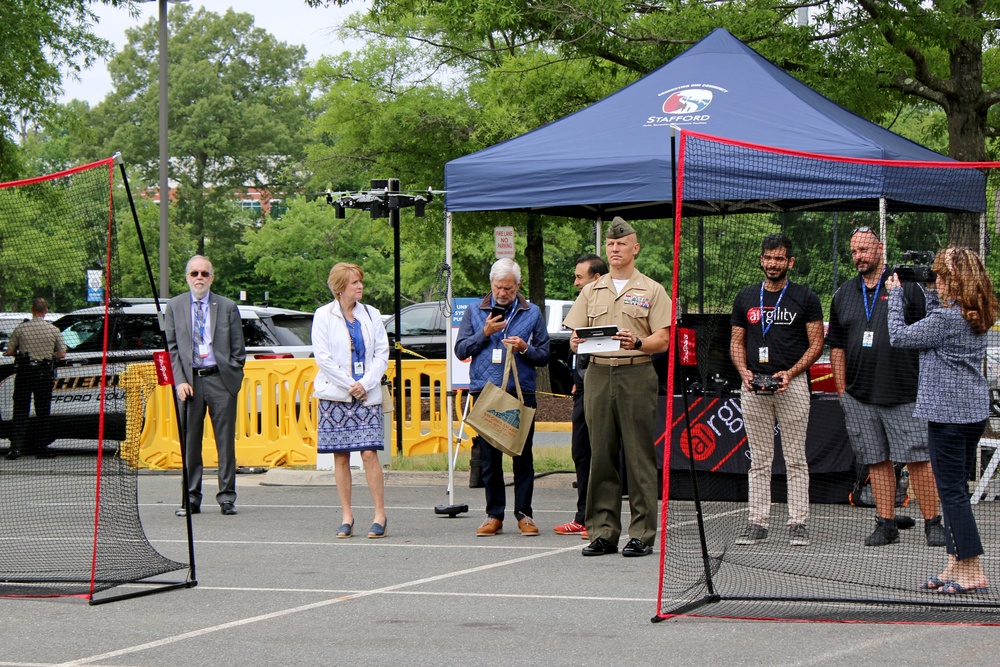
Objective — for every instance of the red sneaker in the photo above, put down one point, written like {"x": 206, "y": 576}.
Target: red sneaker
{"x": 571, "y": 528}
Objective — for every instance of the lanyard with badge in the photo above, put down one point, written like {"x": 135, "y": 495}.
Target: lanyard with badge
{"x": 868, "y": 338}
{"x": 498, "y": 352}
{"x": 356, "y": 358}
{"x": 763, "y": 356}
{"x": 201, "y": 317}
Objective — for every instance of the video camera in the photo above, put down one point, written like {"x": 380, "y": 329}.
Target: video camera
{"x": 764, "y": 384}
{"x": 917, "y": 267}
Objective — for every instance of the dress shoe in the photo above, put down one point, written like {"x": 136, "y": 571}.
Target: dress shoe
{"x": 600, "y": 547}
{"x": 527, "y": 526}
{"x": 490, "y": 527}
{"x": 195, "y": 509}
{"x": 228, "y": 508}
{"x": 635, "y": 548}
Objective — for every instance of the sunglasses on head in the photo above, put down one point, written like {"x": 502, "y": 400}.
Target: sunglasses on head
{"x": 203, "y": 274}
{"x": 862, "y": 229}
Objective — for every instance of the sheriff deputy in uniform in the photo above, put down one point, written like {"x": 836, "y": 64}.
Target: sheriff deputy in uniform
{"x": 35, "y": 344}
{"x": 620, "y": 397}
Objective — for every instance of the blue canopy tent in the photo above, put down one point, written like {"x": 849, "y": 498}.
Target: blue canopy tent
{"x": 613, "y": 157}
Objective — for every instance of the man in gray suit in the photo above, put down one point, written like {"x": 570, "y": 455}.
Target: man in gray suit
{"x": 205, "y": 339}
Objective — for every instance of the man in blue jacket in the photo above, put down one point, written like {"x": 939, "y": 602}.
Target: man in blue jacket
{"x": 483, "y": 337}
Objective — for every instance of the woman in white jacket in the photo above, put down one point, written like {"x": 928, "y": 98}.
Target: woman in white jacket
{"x": 352, "y": 352}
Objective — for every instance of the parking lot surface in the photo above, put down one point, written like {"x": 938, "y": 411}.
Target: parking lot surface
{"x": 275, "y": 587}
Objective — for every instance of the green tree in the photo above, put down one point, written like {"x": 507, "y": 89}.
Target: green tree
{"x": 873, "y": 56}
{"x": 41, "y": 38}
{"x": 237, "y": 113}
{"x": 295, "y": 254}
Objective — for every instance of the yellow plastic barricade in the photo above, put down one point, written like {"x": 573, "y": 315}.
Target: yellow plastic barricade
{"x": 276, "y": 417}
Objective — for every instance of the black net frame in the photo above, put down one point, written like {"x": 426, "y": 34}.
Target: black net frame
{"x": 69, "y": 482}
{"x": 736, "y": 200}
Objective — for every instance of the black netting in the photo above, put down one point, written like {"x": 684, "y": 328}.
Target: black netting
{"x": 68, "y": 483}
{"x": 728, "y": 552}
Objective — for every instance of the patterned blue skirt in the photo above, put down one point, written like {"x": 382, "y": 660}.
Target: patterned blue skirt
{"x": 348, "y": 427}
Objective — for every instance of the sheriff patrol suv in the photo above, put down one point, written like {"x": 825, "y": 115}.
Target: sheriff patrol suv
{"x": 133, "y": 335}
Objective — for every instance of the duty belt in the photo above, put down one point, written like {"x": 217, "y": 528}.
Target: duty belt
{"x": 620, "y": 361}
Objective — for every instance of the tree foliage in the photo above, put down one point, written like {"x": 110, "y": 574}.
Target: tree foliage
{"x": 873, "y": 56}
{"x": 39, "y": 40}
{"x": 235, "y": 120}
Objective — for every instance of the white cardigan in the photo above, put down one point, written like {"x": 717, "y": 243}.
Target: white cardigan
{"x": 332, "y": 347}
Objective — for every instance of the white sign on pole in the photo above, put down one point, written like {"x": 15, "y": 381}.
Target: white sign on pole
{"x": 503, "y": 239}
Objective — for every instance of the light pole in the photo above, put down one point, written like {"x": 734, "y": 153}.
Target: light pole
{"x": 164, "y": 154}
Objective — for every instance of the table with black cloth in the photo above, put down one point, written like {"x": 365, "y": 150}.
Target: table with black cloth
{"x": 722, "y": 455}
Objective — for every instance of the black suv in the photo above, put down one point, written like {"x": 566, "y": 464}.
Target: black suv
{"x": 133, "y": 335}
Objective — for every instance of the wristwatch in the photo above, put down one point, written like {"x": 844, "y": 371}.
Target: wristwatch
{"x": 638, "y": 343}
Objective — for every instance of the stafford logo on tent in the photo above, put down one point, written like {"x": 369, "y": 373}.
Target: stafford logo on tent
{"x": 684, "y": 105}
{"x": 687, "y": 101}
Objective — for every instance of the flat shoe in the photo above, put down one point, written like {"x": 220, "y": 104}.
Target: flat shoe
{"x": 377, "y": 530}
{"x": 345, "y": 530}
{"x": 952, "y": 587}
{"x": 932, "y": 584}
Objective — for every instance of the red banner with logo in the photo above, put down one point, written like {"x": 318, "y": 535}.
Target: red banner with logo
{"x": 164, "y": 371}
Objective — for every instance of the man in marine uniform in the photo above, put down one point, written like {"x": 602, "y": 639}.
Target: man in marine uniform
{"x": 621, "y": 394}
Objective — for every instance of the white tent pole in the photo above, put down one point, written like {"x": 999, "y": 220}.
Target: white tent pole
{"x": 597, "y": 236}
{"x": 449, "y": 353}
{"x": 883, "y": 214}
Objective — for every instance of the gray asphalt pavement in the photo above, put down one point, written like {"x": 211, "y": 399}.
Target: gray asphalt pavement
{"x": 275, "y": 587}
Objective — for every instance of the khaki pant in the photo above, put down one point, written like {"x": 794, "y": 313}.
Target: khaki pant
{"x": 790, "y": 410}
{"x": 620, "y": 405}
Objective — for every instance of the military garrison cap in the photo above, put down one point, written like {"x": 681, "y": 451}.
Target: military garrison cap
{"x": 619, "y": 228}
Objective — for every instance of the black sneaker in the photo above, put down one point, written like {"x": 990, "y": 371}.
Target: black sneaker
{"x": 885, "y": 533}
{"x": 752, "y": 534}
{"x": 934, "y": 532}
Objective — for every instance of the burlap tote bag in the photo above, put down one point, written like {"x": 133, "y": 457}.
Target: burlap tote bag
{"x": 502, "y": 420}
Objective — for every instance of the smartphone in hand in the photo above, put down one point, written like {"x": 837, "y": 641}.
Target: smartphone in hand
{"x": 498, "y": 311}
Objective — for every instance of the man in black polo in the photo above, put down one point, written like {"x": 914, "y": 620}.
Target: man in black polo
{"x": 877, "y": 384}
{"x": 777, "y": 333}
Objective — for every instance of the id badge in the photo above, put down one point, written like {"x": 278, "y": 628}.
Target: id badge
{"x": 359, "y": 368}
{"x": 762, "y": 355}
{"x": 497, "y": 356}
{"x": 203, "y": 350}
{"x": 868, "y": 339}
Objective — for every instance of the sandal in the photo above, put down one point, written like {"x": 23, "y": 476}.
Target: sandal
{"x": 345, "y": 530}
{"x": 952, "y": 587}
{"x": 933, "y": 583}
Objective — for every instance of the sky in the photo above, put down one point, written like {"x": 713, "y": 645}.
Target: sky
{"x": 288, "y": 20}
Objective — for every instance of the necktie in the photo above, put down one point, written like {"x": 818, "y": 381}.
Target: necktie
{"x": 199, "y": 328}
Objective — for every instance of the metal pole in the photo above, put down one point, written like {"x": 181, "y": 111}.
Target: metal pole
{"x": 393, "y": 187}
{"x": 164, "y": 158}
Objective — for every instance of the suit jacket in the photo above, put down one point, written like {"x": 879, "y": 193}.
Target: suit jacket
{"x": 227, "y": 339}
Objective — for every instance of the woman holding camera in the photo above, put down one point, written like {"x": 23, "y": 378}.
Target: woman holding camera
{"x": 954, "y": 399}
